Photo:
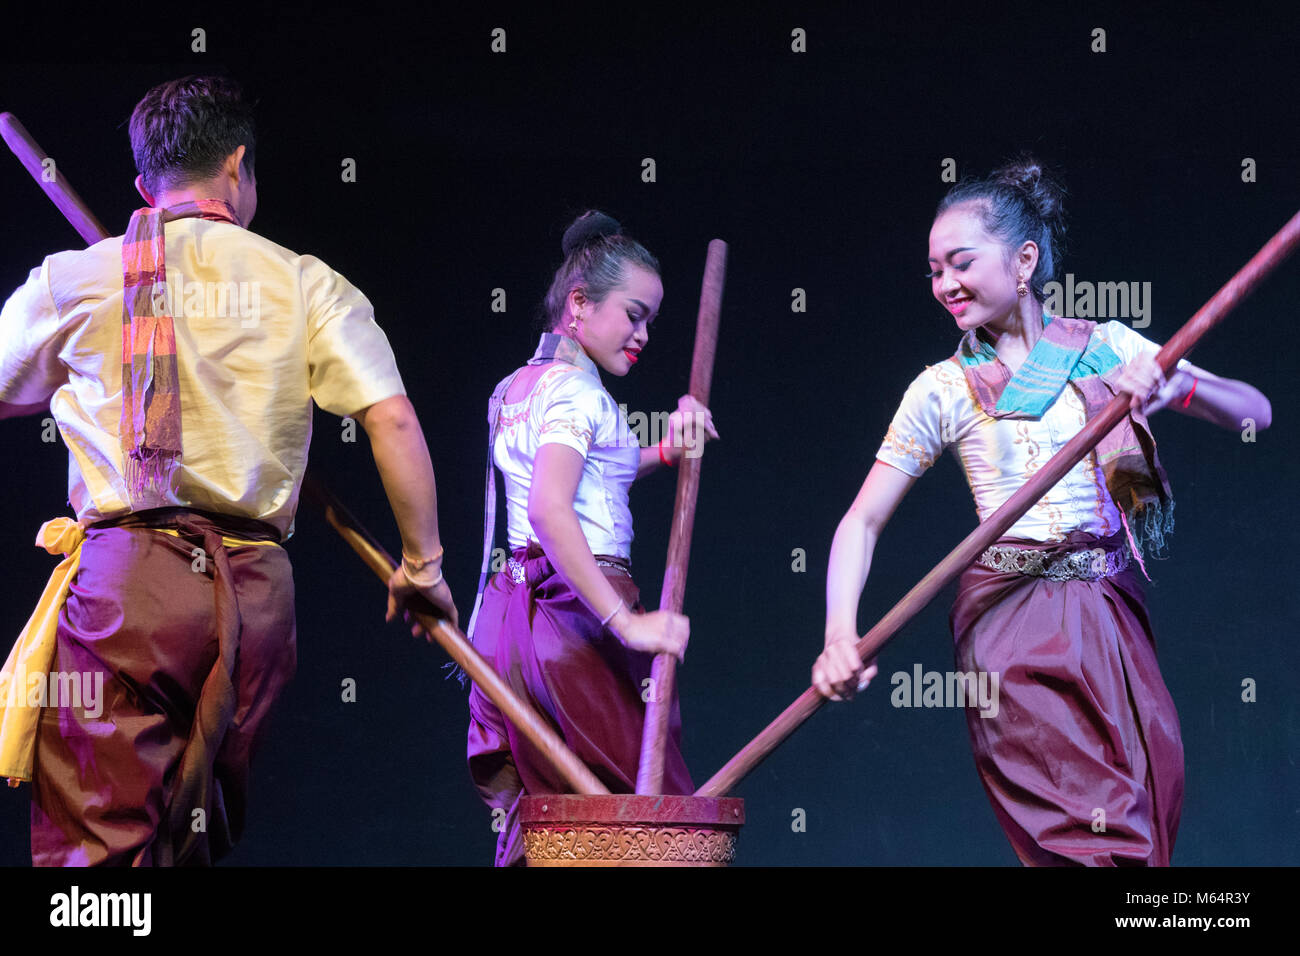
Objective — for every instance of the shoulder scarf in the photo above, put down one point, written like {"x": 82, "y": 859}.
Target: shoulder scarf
{"x": 551, "y": 348}
{"x": 150, "y": 428}
{"x": 1068, "y": 352}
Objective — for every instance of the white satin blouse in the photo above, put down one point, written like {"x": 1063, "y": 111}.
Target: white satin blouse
{"x": 997, "y": 456}
{"x": 569, "y": 406}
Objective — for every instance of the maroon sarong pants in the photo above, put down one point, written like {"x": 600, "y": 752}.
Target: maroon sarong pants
{"x": 193, "y": 650}
{"x": 558, "y": 658}
{"x": 1084, "y": 761}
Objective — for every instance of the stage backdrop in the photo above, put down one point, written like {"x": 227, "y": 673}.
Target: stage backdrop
{"x": 433, "y": 171}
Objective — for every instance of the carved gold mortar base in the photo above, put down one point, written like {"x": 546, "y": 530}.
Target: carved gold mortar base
{"x": 630, "y": 830}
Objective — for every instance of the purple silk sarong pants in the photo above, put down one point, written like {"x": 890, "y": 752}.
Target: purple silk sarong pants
{"x": 1084, "y": 761}
{"x": 192, "y": 651}
{"x": 558, "y": 658}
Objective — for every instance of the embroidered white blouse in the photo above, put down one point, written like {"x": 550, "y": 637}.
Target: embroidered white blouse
{"x": 999, "y": 455}
{"x": 569, "y": 406}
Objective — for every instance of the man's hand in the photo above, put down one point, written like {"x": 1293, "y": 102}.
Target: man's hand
{"x": 403, "y": 595}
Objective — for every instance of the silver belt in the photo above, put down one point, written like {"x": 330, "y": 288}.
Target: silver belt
{"x": 517, "y": 570}
{"x": 1086, "y": 565}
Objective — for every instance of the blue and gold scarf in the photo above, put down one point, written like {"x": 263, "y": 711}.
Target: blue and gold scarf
{"x": 1068, "y": 352}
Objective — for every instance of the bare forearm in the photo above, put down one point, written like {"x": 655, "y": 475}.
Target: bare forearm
{"x": 1227, "y": 402}
{"x": 560, "y": 535}
{"x": 402, "y": 458}
{"x": 650, "y": 461}
{"x": 846, "y": 576}
{"x": 689, "y": 427}
{"x": 653, "y": 458}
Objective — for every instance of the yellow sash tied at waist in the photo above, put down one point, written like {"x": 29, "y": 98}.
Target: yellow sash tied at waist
{"x": 34, "y": 652}
{"x": 35, "y": 649}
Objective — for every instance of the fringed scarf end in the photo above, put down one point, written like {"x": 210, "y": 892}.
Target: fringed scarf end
{"x": 1154, "y": 523}
{"x": 455, "y": 671}
{"x": 149, "y": 471}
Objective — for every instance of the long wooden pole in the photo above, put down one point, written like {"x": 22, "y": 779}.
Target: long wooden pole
{"x": 47, "y": 176}
{"x": 663, "y": 672}
{"x": 524, "y": 718}
{"x": 1209, "y": 315}
{"x": 529, "y": 723}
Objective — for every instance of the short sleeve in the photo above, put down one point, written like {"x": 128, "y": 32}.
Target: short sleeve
{"x": 30, "y": 368}
{"x": 351, "y": 364}
{"x": 914, "y": 439}
{"x": 1127, "y": 343}
{"x": 576, "y": 412}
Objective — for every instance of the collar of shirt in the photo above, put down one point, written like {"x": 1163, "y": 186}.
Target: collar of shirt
{"x": 560, "y": 348}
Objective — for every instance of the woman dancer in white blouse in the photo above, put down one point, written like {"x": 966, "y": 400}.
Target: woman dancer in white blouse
{"x": 562, "y": 622}
{"x": 1083, "y": 760}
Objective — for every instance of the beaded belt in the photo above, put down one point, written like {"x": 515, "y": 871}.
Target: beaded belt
{"x": 517, "y": 570}
{"x": 1086, "y": 565}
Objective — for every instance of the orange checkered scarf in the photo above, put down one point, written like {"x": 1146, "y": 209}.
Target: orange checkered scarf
{"x": 150, "y": 428}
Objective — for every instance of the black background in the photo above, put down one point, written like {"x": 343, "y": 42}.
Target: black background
{"x": 822, "y": 171}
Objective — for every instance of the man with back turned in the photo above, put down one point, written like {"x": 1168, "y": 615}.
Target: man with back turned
{"x": 180, "y": 362}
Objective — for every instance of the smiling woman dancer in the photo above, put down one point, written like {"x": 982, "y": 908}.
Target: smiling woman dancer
{"x": 562, "y": 622}
{"x": 1083, "y": 762}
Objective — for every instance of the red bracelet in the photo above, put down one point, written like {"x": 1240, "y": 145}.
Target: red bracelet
{"x": 1188, "y": 400}
{"x": 661, "y": 453}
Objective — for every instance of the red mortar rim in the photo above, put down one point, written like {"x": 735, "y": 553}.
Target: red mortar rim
{"x": 661, "y": 810}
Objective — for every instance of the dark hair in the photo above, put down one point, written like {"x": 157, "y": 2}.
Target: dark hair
{"x": 596, "y": 254}
{"x": 1018, "y": 203}
{"x": 182, "y": 130}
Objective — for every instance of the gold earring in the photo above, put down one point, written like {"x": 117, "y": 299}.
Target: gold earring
{"x": 1022, "y": 290}
{"x": 573, "y": 326}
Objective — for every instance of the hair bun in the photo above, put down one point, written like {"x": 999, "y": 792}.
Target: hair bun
{"x": 1045, "y": 195}
{"x": 591, "y": 225}
{"x": 1025, "y": 173}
